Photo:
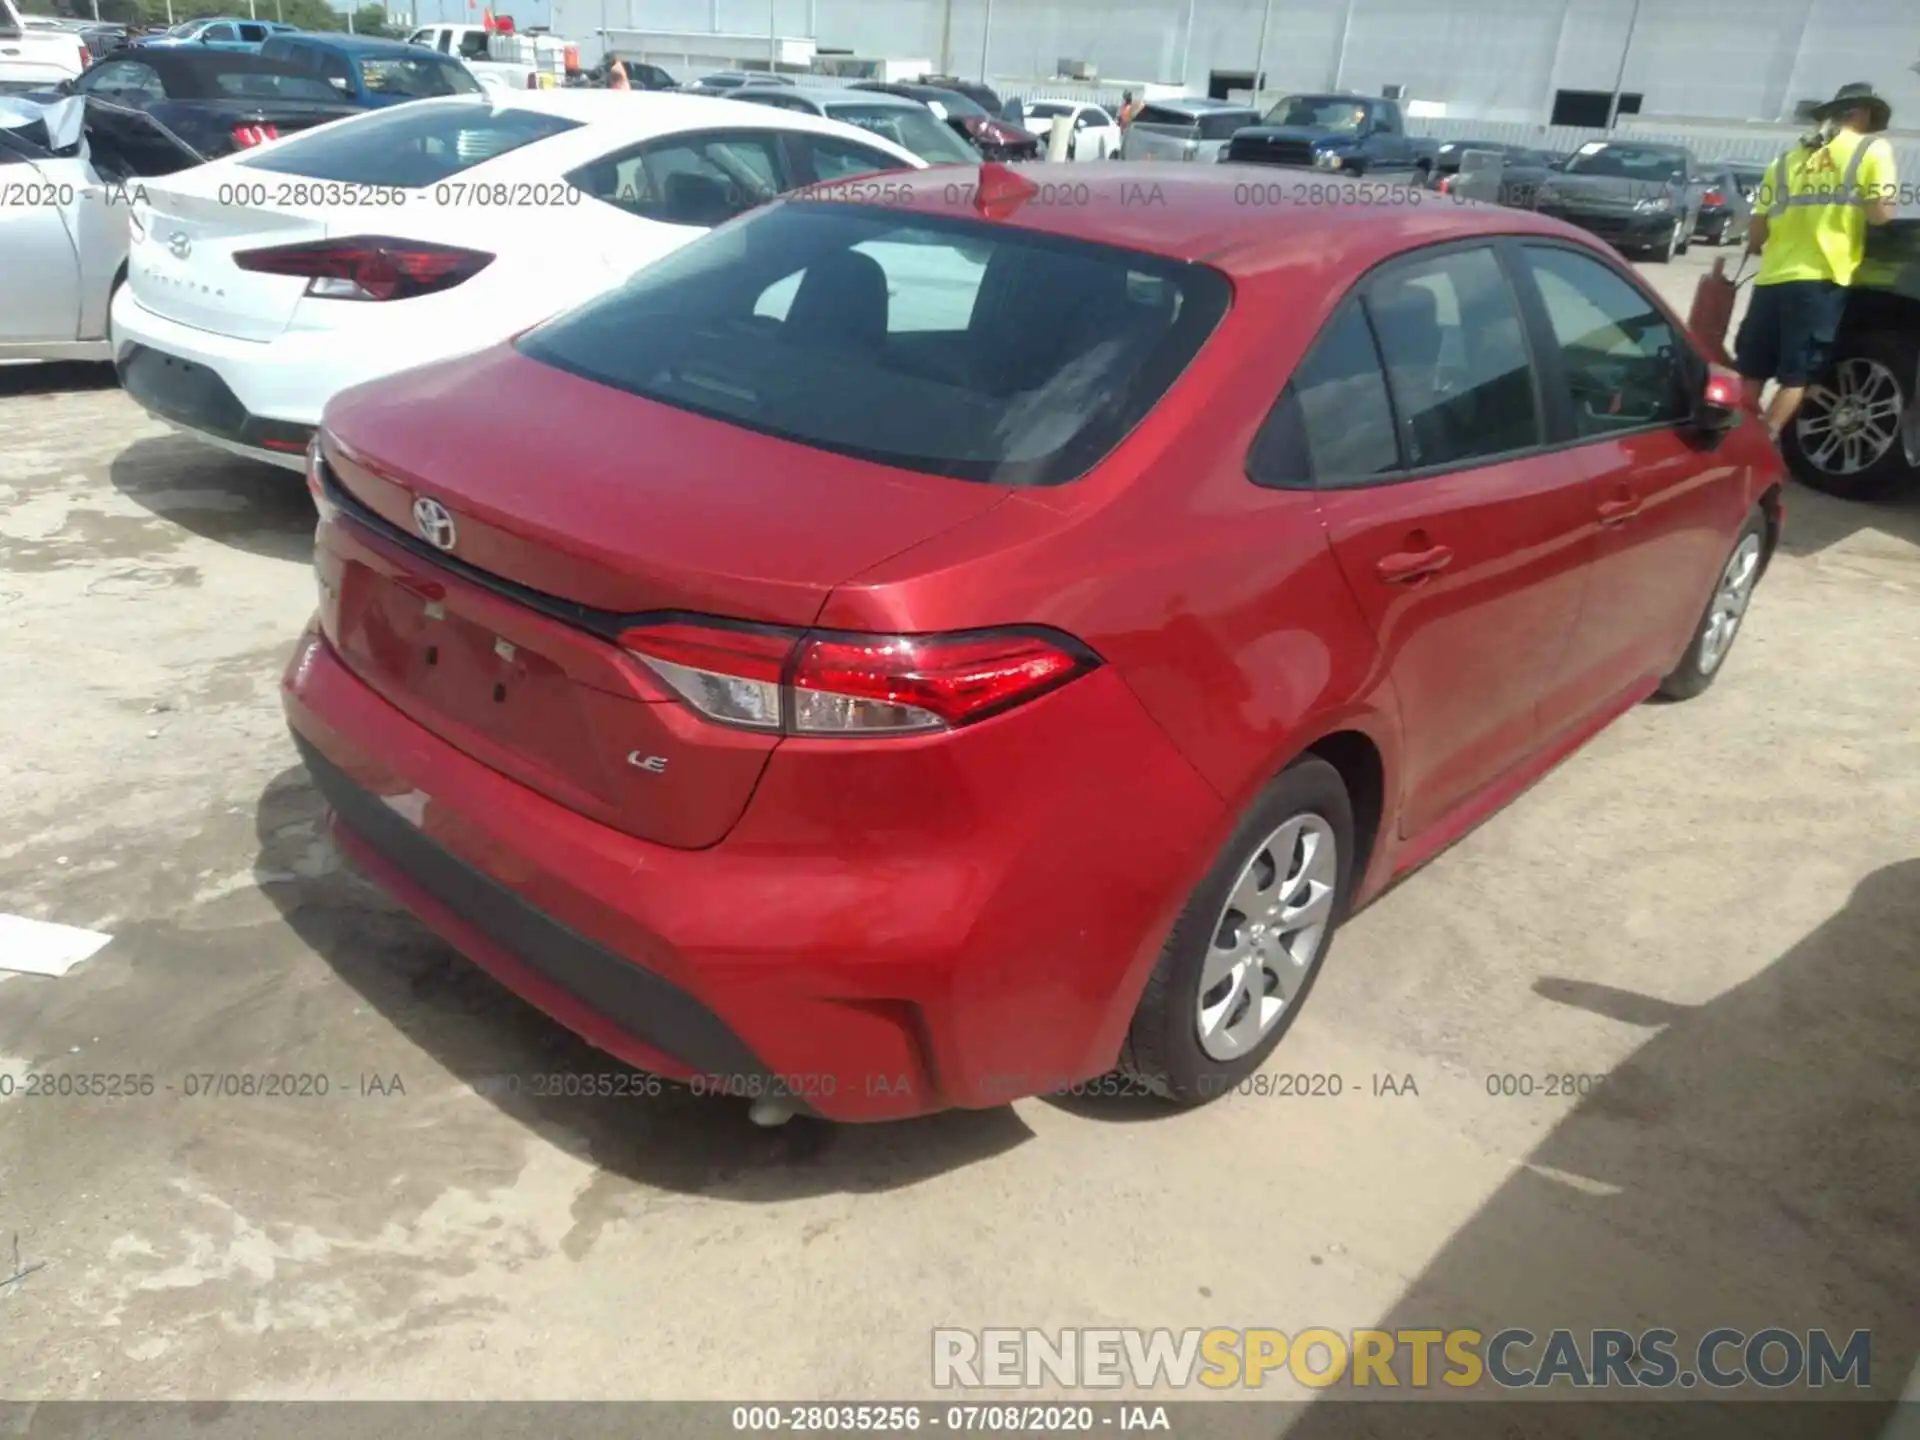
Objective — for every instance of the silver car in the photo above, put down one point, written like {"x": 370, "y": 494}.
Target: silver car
{"x": 1185, "y": 129}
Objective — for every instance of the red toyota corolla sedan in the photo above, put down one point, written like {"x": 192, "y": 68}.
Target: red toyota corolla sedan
{"x": 920, "y": 652}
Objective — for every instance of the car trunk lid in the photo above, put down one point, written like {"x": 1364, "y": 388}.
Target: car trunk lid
{"x": 572, "y": 508}
{"x": 180, "y": 254}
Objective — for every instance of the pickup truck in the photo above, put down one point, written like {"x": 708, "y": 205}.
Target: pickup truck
{"x": 474, "y": 45}
{"x": 1846, "y": 438}
{"x": 1344, "y": 134}
{"x": 32, "y": 58}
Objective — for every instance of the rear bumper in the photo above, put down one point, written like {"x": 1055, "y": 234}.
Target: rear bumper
{"x": 192, "y": 397}
{"x": 880, "y": 936}
{"x": 253, "y": 396}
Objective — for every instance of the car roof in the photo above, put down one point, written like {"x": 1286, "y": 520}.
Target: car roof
{"x": 821, "y": 95}
{"x": 1200, "y": 214}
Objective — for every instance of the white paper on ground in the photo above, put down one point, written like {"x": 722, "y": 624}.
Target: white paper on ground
{"x": 38, "y": 947}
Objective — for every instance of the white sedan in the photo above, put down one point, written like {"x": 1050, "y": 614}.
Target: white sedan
{"x": 1096, "y": 134}
{"x": 261, "y": 284}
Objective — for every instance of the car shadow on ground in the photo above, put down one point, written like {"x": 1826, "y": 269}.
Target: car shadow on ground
{"x": 244, "y": 503}
{"x": 1763, "y": 1146}
{"x": 54, "y": 378}
{"x": 486, "y": 1036}
{"x": 1816, "y": 522}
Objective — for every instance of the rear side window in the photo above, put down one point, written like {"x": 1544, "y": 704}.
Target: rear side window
{"x": 950, "y": 347}
{"x": 409, "y": 145}
{"x": 1456, "y": 354}
{"x": 1155, "y": 115}
{"x": 1334, "y": 425}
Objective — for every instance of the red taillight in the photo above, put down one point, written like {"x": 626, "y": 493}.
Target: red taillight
{"x": 86, "y": 57}
{"x": 1446, "y": 184}
{"x": 840, "y": 684}
{"x": 369, "y": 267}
{"x": 248, "y": 136}
{"x": 1713, "y": 197}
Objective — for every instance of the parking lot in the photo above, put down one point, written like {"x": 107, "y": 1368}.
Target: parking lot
{"x": 1714, "y": 906}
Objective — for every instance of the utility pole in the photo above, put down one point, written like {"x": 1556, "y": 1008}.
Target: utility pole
{"x": 1260, "y": 51}
{"x": 253, "y": 9}
{"x": 946, "y": 38}
{"x": 773, "y": 35}
{"x": 986, "y": 36}
{"x": 1340, "y": 55}
{"x": 1620, "y": 77}
{"x": 1186, "y": 47}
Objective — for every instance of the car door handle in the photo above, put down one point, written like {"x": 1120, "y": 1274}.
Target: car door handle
{"x": 1404, "y": 565}
{"x": 1616, "y": 512}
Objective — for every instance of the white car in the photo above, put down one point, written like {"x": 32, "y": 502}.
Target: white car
{"x": 260, "y": 284}
{"x": 1096, "y": 134}
{"x": 63, "y": 235}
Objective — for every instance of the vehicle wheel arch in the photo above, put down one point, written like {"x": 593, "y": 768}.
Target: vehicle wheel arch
{"x": 1773, "y": 507}
{"x": 1363, "y": 770}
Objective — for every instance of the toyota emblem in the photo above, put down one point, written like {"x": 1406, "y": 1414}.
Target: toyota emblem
{"x": 178, "y": 245}
{"x": 433, "y": 522}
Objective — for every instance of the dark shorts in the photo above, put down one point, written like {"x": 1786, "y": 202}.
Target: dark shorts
{"x": 1789, "y": 330}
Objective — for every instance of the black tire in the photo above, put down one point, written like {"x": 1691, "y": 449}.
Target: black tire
{"x": 1163, "y": 1050}
{"x": 1887, "y": 476}
{"x": 1697, "y": 670}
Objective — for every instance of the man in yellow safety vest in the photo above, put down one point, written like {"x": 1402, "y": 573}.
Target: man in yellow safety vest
{"x": 1810, "y": 219}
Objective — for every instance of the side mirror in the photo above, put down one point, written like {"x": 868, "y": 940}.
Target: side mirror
{"x": 1716, "y": 409}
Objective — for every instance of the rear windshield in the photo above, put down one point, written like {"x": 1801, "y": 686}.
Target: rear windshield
{"x": 1154, "y": 115}
{"x": 950, "y": 347}
{"x": 416, "y": 77}
{"x": 409, "y": 146}
{"x": 264, "y": 85}
{"x": 912, "y": 126}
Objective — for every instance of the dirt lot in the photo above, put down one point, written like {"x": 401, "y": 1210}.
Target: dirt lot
{"x": 1716, "y": 905}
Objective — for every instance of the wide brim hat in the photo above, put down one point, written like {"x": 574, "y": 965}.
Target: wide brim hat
{"x": 1857, "y": 96}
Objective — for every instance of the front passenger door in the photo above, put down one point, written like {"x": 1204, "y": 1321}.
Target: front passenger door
{"x": 1622, "y": 378}
{"x": 1469, "y": 556}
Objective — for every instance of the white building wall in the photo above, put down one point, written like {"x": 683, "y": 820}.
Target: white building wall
{"x": 1497, "y": 60}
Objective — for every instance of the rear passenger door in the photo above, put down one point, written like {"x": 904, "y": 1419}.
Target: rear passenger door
{"x": 1465, "y": 542}
{"x": 1621, "y": 378}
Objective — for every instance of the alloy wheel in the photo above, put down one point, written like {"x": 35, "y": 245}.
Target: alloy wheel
{"x": 1730, "y": 599}
{"x": 1846, "y": 427}
{"x": 1267, "y": 936}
